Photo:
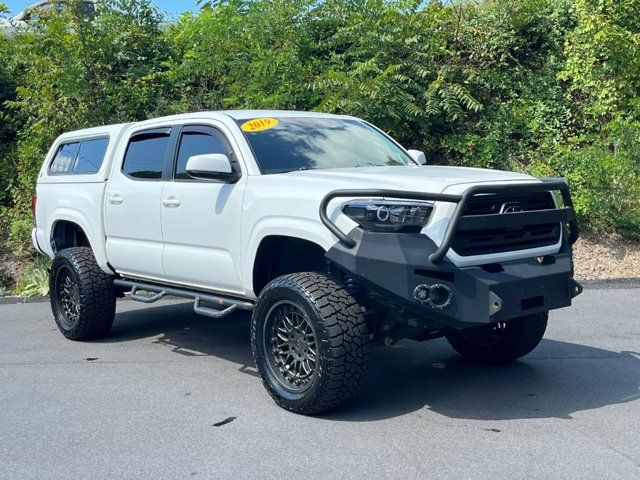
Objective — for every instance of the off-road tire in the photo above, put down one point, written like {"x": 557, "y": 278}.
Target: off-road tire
{"x": 95, "y": 293}
{"x": 343, "y": 342}
{"x": 520, "y": 337}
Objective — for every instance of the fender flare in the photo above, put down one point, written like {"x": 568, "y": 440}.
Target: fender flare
{"x": 96, "y": 243}
{"x": 303, "y": 229}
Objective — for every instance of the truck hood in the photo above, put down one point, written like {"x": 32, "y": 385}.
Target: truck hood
{"x": 287, "y": 203}
{"x": 428, "y": 179}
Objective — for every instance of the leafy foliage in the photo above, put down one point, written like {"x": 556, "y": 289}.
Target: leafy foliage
{"x": 549, "y": 87}
{"x": 20, "y": 234}
{"x": 35, "y": 280}
{"x": 242, "y": 55}
{"x": 7, "y": 134}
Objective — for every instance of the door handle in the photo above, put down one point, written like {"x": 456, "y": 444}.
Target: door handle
{"x": 116, "y": 199}
{"x": 171, "y": 202}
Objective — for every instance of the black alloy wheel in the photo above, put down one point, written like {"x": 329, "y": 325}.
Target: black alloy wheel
{"x": 310, "y": 342}
{"x": 83, "y": 297}
{"x": 290, "y": 346}
{"x": 66, "y": 295}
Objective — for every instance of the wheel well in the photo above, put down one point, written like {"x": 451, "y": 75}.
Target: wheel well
{"x": 279, "y": 255}
{"x": 68, "y": 234}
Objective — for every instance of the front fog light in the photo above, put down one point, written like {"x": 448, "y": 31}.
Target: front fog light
{"x": 389, "y": 216}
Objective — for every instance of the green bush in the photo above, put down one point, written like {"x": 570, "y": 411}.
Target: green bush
{"x": 607, "y": 191}
{"x": 550, "y": 87}
{"x": 20, "y": 234}
{"x": 34, "y": 280}
{"x": 605, "y": 187}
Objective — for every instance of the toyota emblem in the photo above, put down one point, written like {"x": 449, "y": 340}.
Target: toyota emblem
{"x": 511, "y": 207}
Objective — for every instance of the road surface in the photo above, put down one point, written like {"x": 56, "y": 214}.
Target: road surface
{"x": 171, "y": 395}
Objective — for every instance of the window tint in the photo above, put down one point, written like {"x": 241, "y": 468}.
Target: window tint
{"x": 90, "y": 156}
{"x": 199, "y": 143}
{"x": 64, "y": 159}
{"x": 145, "y": 155}
{"x": 303, "y": 143}
{"x": 84, "y": 157}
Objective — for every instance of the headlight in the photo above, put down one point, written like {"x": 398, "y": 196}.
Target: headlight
{"x": 389, "y": 216}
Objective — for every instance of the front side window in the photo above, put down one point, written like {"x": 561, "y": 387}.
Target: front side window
{"x": 286, "y": 144}
{"x": 146, "y": 154}
{"x": 199, "y": 141}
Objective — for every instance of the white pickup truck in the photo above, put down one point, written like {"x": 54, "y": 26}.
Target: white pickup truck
{"x": 329, "y": 231}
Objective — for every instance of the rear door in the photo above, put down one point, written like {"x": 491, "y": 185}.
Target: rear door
{"x": 201, "y": 219}
{"x": 133, "y": 204}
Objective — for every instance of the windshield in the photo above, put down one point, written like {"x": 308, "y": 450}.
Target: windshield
{"x": 286, "y": 144}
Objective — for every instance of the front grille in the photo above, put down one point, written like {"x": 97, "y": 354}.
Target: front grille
{"x": 490, "y": 204}
{"x": 484, "y": 242}
{"x": 496, "y": 240}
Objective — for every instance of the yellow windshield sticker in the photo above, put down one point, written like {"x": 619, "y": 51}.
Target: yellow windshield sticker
{"x": 259, "y": 124}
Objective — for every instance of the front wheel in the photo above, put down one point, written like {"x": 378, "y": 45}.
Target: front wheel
{"x": 500, "y": 342}
{"x": 83, "y": 298}
{"x": 310, "y": 342}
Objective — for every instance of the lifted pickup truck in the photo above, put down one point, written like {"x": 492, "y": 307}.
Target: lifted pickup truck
{"x": 331, "y": 233}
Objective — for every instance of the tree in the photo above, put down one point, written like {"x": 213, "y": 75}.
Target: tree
{"x": 75, "y": 72}
{"x": 549, "y": 87}
{"x": 7, "y": 132}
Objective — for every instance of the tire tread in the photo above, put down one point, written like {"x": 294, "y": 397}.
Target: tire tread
{"x": 97, "y": 294}
{"x": 348, "y": 340}
{"x": 524, "y": 335}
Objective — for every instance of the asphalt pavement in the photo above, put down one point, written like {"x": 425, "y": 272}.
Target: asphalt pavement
{"x": 170, "y": 395}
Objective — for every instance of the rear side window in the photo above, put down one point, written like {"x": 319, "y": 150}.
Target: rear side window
{"x": 90, "y": 156}
{"x": 80, "y": 158}
{"x": 64, "y": 159}
{"x": 146, "y": 154}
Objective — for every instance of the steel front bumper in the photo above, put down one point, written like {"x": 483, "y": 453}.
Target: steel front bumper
{"x": 411, "y": 272}
{"x": 396, "y": 267}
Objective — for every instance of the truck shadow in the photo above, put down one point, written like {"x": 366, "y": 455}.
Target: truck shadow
{"x": 557, "y": 380}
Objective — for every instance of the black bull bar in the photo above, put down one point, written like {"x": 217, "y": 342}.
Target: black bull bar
{"x": 458, "y": 220}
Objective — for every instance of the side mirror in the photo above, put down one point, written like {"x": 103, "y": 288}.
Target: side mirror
{"x": 418, "y": 156}
{"x": 212, "y": 166}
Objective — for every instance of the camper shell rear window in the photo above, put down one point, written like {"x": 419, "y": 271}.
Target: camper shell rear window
{"x": 81, "y": 157}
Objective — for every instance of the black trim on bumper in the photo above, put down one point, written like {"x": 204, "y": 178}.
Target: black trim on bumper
{"x": 392, "y": 266}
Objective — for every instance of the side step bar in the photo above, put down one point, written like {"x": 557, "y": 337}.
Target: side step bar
{"x": 226, "y": 305}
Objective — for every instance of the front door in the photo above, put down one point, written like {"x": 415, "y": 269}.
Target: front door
{"x": 201, "y": 219}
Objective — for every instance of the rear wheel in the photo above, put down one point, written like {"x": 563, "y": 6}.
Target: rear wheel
{"x": 310, "y": 342}
{"x": 500, "y": 342}
{"x": 83, "y": 298}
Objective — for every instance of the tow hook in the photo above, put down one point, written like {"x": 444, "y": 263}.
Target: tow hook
{"x": 437, "y": 296}
{"x": 495, "y": 303}
{"x": 576, "y": 288}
